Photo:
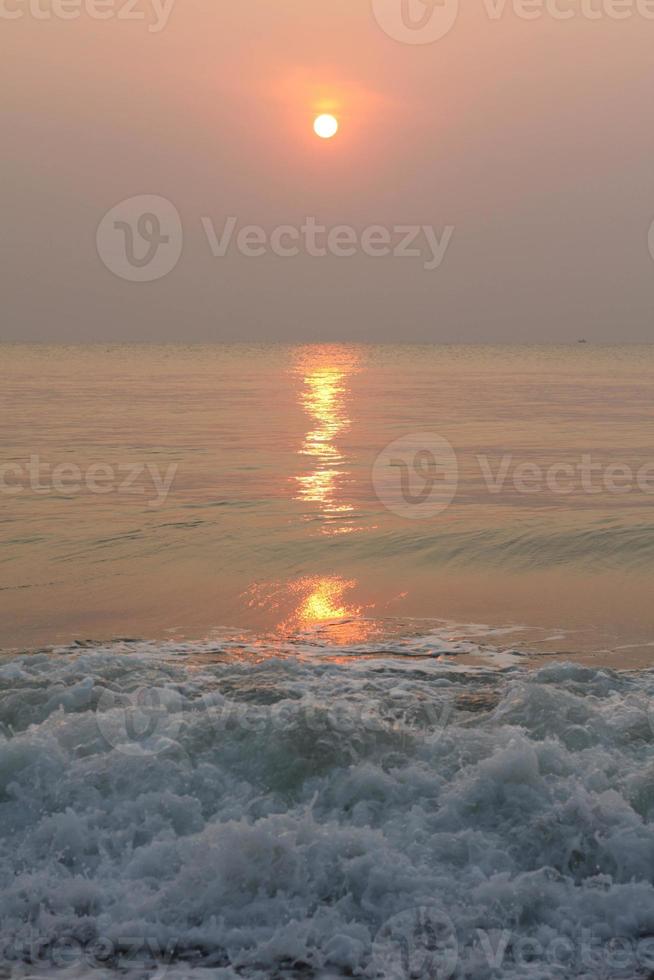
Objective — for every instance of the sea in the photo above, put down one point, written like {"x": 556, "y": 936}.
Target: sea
{"x": 327, "y": 661}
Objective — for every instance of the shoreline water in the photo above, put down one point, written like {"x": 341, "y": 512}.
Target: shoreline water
{"x": 309, "y": 811}
{"x": 461, "y": 642}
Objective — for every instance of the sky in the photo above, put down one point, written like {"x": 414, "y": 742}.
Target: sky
{"x": 493, "y": 184}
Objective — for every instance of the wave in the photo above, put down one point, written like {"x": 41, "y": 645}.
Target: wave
{"x": 292, "y": 810}
{"x": 534, "y": 545}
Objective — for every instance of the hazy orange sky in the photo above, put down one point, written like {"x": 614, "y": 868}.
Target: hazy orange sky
{"x": 531, "y": 138}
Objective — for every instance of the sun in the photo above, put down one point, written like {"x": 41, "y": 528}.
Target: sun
{"x": 325, "y": 126}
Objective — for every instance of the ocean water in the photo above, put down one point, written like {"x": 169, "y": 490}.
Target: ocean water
{"x": 289, "y": 703}
{"x": 205, "y": 488}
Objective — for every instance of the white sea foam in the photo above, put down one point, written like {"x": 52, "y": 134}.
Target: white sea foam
{"x": 165, "y": 812}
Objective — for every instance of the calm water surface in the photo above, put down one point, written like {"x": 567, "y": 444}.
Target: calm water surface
{"x": 273, "y": 522}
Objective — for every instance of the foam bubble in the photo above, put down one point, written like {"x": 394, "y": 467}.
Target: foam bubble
{"x": 287, "y": 813}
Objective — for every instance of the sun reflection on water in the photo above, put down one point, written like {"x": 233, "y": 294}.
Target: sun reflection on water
{"x": 314, "y": 603}
{"x": 323, "y": 601}
{"x": 324, "y": 397}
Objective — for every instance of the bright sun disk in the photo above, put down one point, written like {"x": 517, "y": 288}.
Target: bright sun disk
{"x": 325, "y": 126}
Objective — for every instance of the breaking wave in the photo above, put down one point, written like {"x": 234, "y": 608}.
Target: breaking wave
{"x": 382, "y": 811}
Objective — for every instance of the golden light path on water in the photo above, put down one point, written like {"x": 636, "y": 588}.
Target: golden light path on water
{"x": 324, "y": 398}
{"x": 318, "y": 602}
